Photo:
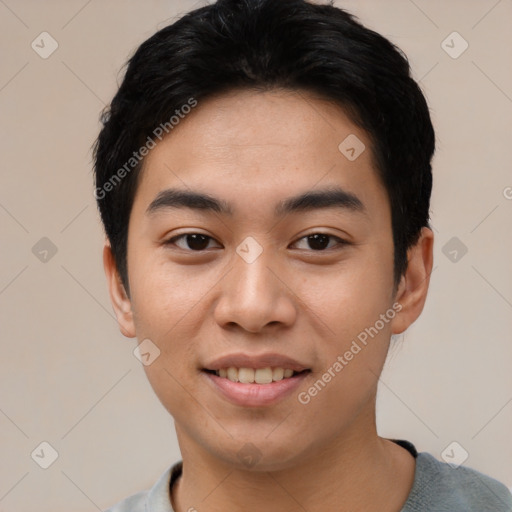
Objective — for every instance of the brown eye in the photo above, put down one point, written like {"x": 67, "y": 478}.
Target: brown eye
{"x": 191, "y": 241}
{"x": 321, "y": 241}
{"x": 318, "y": 242}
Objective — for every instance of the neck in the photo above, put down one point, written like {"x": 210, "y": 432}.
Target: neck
{"x": 355, "y": 471}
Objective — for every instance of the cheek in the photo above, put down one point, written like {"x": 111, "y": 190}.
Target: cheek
{"x": 172, "y": 373}
{"x": 166, "y": 303}
{"x": 168, "y": 385}
{"x": 163, "y": 293}
{"x": 352, "y": 297}
{"x": 355, "y": 306}
{"x": 353, "y": 351}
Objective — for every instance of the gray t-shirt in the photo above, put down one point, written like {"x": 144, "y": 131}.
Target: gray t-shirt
{"x": 437, "y": 487}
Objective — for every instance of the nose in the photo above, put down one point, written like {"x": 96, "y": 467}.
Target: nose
{"x": 255, "y": 296}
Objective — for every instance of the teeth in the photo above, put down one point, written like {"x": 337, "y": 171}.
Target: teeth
{"x": 263, "y": 376}
{"x": 277, "y": 374}
{"x": 246, "y": 375}
{"x": 251, "y": 375}
{"x": 232, "y": 374}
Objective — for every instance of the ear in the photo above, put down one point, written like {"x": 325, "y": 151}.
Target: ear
{"x": 413, "y": 286}
{"x": 118, "y": 296}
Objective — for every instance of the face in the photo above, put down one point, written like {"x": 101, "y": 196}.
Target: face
{"x": 252, "y": 270}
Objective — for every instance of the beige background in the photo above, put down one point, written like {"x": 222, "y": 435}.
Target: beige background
{"x": 68, "y": 377}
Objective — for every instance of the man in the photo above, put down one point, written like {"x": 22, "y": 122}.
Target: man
{"x": 264, "y": 179}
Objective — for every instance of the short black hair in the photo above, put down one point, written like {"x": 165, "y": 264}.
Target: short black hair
{"x": 265, "y": 45}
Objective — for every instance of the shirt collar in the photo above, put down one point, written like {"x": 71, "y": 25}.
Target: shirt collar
{"x": 159, "y": 497}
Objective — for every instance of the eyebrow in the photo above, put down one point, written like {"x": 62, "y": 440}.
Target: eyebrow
{"x": 307, "y": 201}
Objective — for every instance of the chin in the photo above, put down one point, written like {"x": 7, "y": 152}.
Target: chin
{"x": 259, "y": 453}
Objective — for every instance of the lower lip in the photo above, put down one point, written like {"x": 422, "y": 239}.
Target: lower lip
{"x": 255, "y": 395}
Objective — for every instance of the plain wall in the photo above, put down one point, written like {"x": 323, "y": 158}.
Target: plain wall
{"x": 68, "y": 377}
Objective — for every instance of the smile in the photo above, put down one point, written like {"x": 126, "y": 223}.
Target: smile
{"x": 255, "y": 375}
{"x": 251, "y": 393}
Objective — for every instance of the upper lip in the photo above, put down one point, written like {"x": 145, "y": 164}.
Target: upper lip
{"x": 241, "y": 360}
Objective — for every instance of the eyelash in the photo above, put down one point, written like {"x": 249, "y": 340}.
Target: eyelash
{"x": 340, "y": 241}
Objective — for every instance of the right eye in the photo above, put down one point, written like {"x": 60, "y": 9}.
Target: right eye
{"x": 194, "y": 242}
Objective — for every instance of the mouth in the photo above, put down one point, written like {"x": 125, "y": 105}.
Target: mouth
{"x": 255, "y": 375}
{"x": 255, "y": 387}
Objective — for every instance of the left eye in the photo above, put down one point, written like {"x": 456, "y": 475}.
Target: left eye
{"x": 321, "y": 241}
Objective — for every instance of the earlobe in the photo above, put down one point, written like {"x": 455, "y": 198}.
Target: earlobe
{"x": 413, "y": 287}
{"x": 118, "y": 296}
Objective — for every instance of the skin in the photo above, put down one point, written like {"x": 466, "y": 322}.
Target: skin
{"x": 252, "y": 150}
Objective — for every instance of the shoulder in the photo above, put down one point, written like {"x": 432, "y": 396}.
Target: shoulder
{"x": 441, "y": 487}
{"x": 134, "y": 503}
{"x": 157, "y": 499}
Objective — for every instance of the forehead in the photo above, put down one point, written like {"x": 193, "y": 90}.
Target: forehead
{"x": 247, "y": 145}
